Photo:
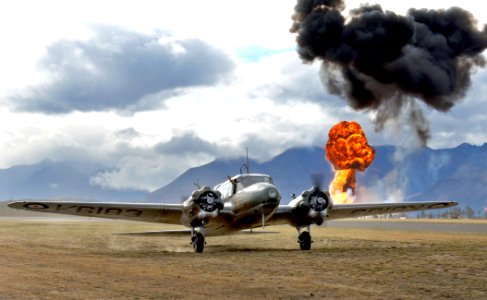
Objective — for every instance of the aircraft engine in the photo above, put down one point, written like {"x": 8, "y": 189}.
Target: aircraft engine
{"x": 205, "y": 202}
{"x": 318, "y": 200}
{"x": 311, "y": 206}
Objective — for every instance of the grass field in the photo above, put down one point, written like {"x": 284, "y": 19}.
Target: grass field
{"x": 47, "y": 259}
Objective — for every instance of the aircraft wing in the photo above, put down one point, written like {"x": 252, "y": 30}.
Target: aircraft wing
{"x": 147, "y": 212}
{"x": 342, "y": 211}
{"x": 284, "y": 213}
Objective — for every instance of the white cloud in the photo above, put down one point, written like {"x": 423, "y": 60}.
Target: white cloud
{"x": 121, "y": 70}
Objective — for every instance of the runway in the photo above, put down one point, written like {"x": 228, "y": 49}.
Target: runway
{"x": 433, "y": 225}
{"x": 454, "y": 226}
{"x": 41, "y": 259}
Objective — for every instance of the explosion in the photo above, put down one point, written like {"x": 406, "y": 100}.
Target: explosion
{"x": 347, "y": 150}
{"x": 383, "y": 62}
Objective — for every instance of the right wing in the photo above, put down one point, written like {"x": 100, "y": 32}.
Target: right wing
{"x": 146, "y": 212}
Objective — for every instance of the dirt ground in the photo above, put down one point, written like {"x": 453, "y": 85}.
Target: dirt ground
{"x": 65, "y": 259}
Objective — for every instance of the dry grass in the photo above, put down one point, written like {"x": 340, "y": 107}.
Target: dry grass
{"x": 84, "y": 260}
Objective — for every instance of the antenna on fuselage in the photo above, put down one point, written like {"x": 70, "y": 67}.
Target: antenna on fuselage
{"x": 197, "y": 183}
{"x": 247, "y": 164}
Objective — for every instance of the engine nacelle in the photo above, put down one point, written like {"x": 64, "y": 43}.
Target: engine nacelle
{"x": 311, "y": 206}
{"x": 204, "y": 203}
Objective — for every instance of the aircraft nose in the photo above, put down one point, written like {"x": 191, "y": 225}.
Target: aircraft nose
{"x": 271, "y": 196}
{"x": 273, "y": 193}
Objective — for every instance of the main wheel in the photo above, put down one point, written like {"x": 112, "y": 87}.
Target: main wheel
{"x": 199, "y": 242}
{"x": 305, "y": 241}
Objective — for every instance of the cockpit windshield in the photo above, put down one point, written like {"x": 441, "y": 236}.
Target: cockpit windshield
{"x": 239, "y": 182}
{"x": 248, "y": 180}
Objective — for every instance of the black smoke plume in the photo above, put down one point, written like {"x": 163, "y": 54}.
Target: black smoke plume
{"x": 382, "y": 61}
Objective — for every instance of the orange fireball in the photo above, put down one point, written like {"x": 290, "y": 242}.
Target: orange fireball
{"x": 347, "y": 150}
{"x": 347, "y": 147}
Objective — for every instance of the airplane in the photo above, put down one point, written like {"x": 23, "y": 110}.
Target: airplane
{"x": 242, "y": 202}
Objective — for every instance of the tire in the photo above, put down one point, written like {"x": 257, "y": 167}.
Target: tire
{"x": 305, "y": 241}
{"x": 199, "y": 242}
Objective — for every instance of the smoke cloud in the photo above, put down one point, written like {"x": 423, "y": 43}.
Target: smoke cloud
{"x": 380, "y": 61}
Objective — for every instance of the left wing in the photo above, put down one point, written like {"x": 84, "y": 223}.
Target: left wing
{"x": 147, "y": 212}
{"x": 342, "y": 211}
{"x": 284, "y": 213}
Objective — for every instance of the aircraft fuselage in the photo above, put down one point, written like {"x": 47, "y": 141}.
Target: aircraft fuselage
{"x": 253, "y": 205}
{"x": 249, "y": 201}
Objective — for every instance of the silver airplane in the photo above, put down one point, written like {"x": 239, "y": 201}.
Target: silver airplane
{"x": 242, "y": 202}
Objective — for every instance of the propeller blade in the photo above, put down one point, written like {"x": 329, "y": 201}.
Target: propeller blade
{"x": 317, "y": 179}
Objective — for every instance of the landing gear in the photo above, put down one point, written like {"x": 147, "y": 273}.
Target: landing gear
{"x": 305, "y": 241}
{"x": 304, "y": 238}
{"x": 198, "y": 239}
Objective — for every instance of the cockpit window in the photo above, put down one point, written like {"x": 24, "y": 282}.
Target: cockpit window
{"x": 226, "y": 189}
{"x": 239, "y": 182}
{"x": 246, "y": 181}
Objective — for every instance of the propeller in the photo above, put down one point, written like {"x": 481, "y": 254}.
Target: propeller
{"x": 317, "y": 180}
{"x": 318, "y": 199}
{"x": 209, "y": 201}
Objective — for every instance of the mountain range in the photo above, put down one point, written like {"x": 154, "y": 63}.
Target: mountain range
{"x": 55, "y": 179}
{"x": 397, "y": 174}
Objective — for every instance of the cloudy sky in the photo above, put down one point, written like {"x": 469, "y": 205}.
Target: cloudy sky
{"x": 155, "y": 87}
